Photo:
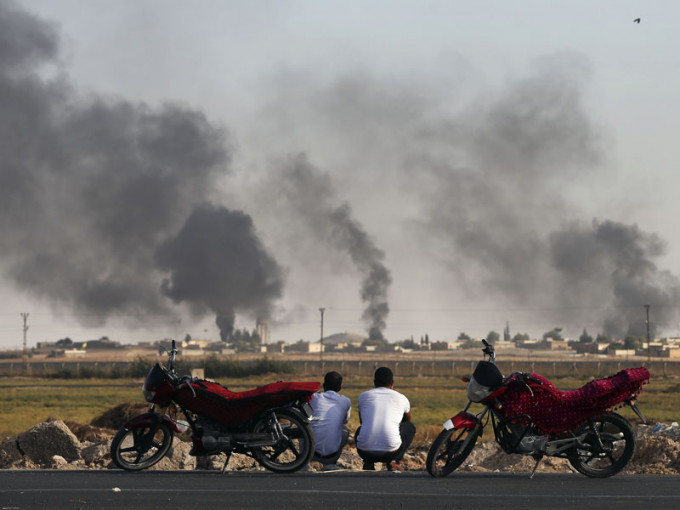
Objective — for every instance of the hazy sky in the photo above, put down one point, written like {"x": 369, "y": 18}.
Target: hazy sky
{"x": 412, "y": 166}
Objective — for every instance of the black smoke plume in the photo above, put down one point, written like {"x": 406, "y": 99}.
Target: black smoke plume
{"x": 312, "y": 195}
{"x": 92, "y": 187}
{"x": 217, "y": 261}
{"x": 617, "y": 260}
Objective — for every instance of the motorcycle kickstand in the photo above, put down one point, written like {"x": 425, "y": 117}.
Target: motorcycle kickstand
{"x": 533, "y": 472}
{"x": 226, "y": 462}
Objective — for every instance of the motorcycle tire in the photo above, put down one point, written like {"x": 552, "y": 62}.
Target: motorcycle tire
{"x": 618, "y": 446}
{"x": 140, "y": 448}
{"x": 294, "y": 450}
{"x": 450, "y": 450}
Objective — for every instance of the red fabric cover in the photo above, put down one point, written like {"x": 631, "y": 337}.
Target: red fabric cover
{"x": 234, "y": 408}
{"x": 555, "y": 411}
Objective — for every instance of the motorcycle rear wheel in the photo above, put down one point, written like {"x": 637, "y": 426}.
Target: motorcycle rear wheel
{"x": 450, "y": 450}
{"x": 618, "y": 446}
{"x": 140, "y": 448}
{"x": 296, "y": 447}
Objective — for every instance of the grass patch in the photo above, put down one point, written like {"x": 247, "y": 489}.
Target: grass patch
{"x": 25, "y": 402}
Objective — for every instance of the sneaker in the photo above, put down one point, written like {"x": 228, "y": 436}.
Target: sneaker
{"x": 331, "y": 467}
{"x": 394, "y": 466}
{"x": 369, "y": 466}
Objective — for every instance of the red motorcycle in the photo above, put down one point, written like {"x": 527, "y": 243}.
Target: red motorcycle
{"x": 530, "y": 416}
{"x": 270, "y": 423}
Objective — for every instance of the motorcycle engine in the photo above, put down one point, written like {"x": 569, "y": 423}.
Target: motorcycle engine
{"x": 214, "y": 437}
{"x": 532, "y": 444}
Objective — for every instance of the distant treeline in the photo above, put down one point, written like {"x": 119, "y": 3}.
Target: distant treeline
{"x": 212, "y": 366}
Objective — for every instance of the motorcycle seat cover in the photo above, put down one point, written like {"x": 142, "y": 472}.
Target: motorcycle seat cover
{"x": 554, "y": 411}
{"x": 260, "y": 391}
{"x": 234, "y": 408}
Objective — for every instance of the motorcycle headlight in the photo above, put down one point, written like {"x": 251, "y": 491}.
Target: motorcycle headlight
{"x": 477, "y": 392}
{"x": 148, "y": 394}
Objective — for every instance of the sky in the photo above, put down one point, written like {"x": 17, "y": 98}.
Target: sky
{"x": 412, "y": 167}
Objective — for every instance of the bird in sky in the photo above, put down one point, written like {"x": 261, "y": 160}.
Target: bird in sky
{"x": 636, "y": 20}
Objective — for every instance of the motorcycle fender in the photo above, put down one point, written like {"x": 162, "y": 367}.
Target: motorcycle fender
{"x": 149, "y": 419}
{"x": 462, "y": 420}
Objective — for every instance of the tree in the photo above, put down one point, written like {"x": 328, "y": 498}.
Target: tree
{"x": 464, "y": 336}
{"x": 377, "y": 342}
{"x": 492, "y": 337}
{"x": 244, "y": 340}
{"x": 633, "y": 342}
{"x": 64, "y": 342}
{"x": 408, "y": 344}
{"x": 520, "y": 337}
{"x": 602, "y": 339}
{"x": 585, "y": 338}
{"x": 506, "y": 332}
{"x": 471, "y": 344}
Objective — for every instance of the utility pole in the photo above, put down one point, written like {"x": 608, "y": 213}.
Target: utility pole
{"x": 322, "y": 310}
{"x": 25, "y": 353}
{"x": 649, "y": 355}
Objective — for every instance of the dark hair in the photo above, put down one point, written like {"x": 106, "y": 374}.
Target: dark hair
{"x": 332, "y": 381}
{"x": 383, "y": 377}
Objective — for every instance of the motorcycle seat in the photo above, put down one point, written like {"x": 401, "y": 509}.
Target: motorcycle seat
{"x": 554, "y": 410}
{"x": 261, "y": 391}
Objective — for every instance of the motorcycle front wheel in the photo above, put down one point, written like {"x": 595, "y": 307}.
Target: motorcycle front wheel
{"x": 607, "y": 448}
{"x": 140, "y": 448}
{"x": 295, "y": 447}
{"x": 450, "y": 450}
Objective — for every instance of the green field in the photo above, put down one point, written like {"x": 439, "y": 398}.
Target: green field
{"x": 27, "y": 401}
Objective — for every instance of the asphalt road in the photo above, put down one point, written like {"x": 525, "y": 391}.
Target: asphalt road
{"x": 49, "y": 489}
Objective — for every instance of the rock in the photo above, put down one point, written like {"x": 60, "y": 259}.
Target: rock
{"x": 10, "y": 455}
{"x": 58, "y": 461}
{"x": 177, "y": 458}
{"x": 47, "y": 439}
{"x": 89, "y": 432}
{"x": 96, "y": 452}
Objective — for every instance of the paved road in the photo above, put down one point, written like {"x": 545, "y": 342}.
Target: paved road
{"x": 20, "y": 490}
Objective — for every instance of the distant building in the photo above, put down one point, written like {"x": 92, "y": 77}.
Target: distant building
{"x": 302, "y": 346}
{"x": 340, "y": 341}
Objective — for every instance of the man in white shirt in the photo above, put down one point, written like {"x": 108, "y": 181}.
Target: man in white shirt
{"x": 331, "y": 413}
{"x": 386, "y": 430}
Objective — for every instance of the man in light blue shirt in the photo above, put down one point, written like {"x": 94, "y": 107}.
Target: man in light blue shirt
{"x": 331, "y": 413}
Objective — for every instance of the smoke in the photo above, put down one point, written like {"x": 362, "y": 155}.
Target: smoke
{"x": 92, "y": 189}
{"x": 217, "y": 261}
{"x": 481, "y": 188}
{"x": 617, "y": 260}
{"x": 500, "y": 212}
{"x": 310, "y": 194}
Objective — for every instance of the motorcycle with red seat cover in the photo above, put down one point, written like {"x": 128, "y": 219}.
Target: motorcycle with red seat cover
{"x": 270, "y": 423}
{"x": 530, "y": 416}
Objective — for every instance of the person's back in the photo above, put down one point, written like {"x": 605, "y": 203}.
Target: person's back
{"x": 381, "y": 410}
{"x": 331, "y": 412}
{"x": 386, "y": 430}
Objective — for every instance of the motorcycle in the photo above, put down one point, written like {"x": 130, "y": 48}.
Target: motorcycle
{"x": 270, "y": 424}
{"x": 530, "y": 416}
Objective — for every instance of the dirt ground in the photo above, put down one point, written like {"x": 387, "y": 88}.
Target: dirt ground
{"x": 657, "y": 452}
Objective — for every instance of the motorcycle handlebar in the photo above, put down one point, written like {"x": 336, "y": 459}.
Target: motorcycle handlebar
{"x": 488, "y": 350}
